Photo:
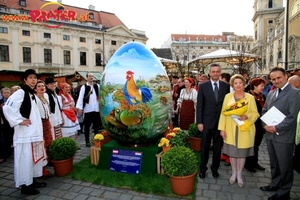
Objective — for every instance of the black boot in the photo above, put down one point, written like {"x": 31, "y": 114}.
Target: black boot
{"x": 36, "y": 184}
{"x": 29, "y": 190}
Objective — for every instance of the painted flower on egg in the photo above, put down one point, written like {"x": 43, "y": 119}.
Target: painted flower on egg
{"x": 135, "y": 97}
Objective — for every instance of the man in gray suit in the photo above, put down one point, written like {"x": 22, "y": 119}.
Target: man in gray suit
{"x": 280, "y": 138}
{"x": 209, "y": 104}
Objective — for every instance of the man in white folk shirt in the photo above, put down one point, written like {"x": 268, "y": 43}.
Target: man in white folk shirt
{"x": 22, "y": 113}
{"x": 87, "y": 103}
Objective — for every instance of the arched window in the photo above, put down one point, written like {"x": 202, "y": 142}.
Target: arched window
{"x": 91, "y": 15}
{"x": 270, "y": 4}
{"x": 60, "y": 8}
{"x": 279, "y": 55}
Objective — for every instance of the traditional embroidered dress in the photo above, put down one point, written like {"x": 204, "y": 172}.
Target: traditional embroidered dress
{"x": 187, "y": 102}
{"x": 45, "y": 116}
{"x": 25, "y": 137}
{"x": 55, "y": 117}
{"x": 71, "y": 124}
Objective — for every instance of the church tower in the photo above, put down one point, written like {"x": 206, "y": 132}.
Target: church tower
{"x": 265, "y": 11}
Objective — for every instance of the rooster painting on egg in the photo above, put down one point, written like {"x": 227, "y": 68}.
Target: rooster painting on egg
{"x": 134, "y": 108}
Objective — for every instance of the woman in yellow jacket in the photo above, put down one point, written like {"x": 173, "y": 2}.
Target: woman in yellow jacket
{"x": 237, "y": 127}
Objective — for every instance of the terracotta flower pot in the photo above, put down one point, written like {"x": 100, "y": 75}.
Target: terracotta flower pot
{"x": 102, "y": 142}
{"x": 97, "y": 143}
{"x": 196, "y": 143}
{"x": 182, "y": 185}
{"x": 63, "y": 167}
{"x": 165, "y": 149}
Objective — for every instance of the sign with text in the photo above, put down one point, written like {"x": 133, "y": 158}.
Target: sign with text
{"x": 126, "y": 161}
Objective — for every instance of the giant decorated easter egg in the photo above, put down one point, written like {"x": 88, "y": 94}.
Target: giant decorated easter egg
{"x": 135, "y": 97}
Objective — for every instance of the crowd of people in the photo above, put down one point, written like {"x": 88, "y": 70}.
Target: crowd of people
{"x": 34, "y": 115}
{"x": 228, "y": 110}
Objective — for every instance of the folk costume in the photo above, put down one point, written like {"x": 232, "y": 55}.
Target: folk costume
{"x": 71, "y": 123}
{"x": 56, "y": 115}
{"x": 28, "y": 142}
{"x": 187, "y": 102}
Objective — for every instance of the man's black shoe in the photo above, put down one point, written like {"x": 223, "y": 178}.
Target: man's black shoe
{"x": 215, "y": 174}
{"x": 268, "y": 188}
{"x": 277, "y": 197}
{"x": 250, "y": 169}
{"x": 29, "y": 190}
{"x": 202, "y": 175}
{"x": 36, "y": 184}
{"x": 257, "y": 166}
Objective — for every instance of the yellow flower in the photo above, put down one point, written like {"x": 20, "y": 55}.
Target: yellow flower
{"x": 239, "y": 105}
{"x": 164, "y": 142}
{"x": 98, "y": 137}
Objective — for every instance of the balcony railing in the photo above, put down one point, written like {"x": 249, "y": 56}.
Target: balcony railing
{"x": 45, "y": 66}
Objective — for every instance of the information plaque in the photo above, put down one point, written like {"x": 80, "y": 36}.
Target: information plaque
{"x": 126, "y": 161}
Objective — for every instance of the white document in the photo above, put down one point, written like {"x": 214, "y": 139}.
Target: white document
{"x": 235, "y": 118}
{"x": 273, "y": 117}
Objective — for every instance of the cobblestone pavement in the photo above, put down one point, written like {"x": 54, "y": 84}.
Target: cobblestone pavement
{"x": 207, "y": 189}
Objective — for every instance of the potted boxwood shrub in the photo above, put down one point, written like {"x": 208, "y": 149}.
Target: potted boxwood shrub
{"x": 181, "y": 165}
{"x": 61, "y": 154}
{"x": 195, "y": 137}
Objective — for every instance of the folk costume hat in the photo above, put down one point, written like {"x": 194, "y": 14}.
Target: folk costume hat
{"x": 50, "y": 80}
{"x": 29, "y": 72}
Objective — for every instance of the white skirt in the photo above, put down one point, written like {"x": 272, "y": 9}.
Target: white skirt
{"x": 69, "y": 128}
{"x": 24, "y": 168}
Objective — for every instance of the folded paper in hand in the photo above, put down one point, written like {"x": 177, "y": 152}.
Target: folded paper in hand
{"x": 236, "y": 119}
{"x": 273, "y": 117}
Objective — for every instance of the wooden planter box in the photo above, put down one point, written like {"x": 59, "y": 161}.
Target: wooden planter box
{"x": 95, "y": 155}
{"x": 160, "y": 170}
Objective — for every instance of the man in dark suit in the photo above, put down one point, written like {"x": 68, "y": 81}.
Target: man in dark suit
{"x": 209, "y": 104}
{"x": 280, "y": 138}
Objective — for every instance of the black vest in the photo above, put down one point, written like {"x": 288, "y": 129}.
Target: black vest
{"x": 86, "y": 97}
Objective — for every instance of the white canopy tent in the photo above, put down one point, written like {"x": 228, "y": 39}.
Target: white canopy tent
{"x": 224, "y": 55}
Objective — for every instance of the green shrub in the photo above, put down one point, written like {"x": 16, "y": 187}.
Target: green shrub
{"x": 62, "y": 149}
{"x": 179, "y": 161}
{"x": 193, "y": 131}
{"x": 180, "y": 139}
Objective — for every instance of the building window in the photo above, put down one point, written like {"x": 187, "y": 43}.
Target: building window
{"x": 232, "y": 47}
{"x": 280, "y": 41}
{"x": 66, "y": 37}
{"x": 209, "y": 47}
{"x": 91, "y": 15}
{"x": 67, "y": 57}
{"x": 270, "y": 21}
{"x": 24, "y": 12}
{"x": 238, "y": 47}
{"x": 4, "y": 53}
{"x": 47, "y": 35}
{"x": 201, "y": 47}
{"x": 248, "y": 47}
{"x": 113, "y": 42}
{"x": 279, "y": 55}
{"x": 81, "y": 39}
{"x": 97, "y": 41}
{"x": 98, "y": 59}
{"x": 22, "y": 3}
{"x": 47, "y": 55}
{"x": 26, "y": 54}
{"x": 270, "y": 4}
{"x": 26, "y": 33}
{"x": 82, "y": 58}
{"x": 3, "y": 30}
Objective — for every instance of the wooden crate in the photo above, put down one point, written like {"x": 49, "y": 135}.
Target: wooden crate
{"x": 95, "y": 155}
{"x": 160, "y": 170}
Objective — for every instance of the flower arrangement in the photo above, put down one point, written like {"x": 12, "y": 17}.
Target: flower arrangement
{"x": 100, "y": 136}
{"x": 176, "y": 137}
{"x": 238, "y": 108}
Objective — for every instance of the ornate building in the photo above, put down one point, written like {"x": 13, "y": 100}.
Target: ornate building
{"x": 270, "y": 39}
{"x": 58, "y": 38}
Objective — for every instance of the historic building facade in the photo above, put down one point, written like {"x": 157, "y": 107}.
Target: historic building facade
{"x": 63, "y": 39}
